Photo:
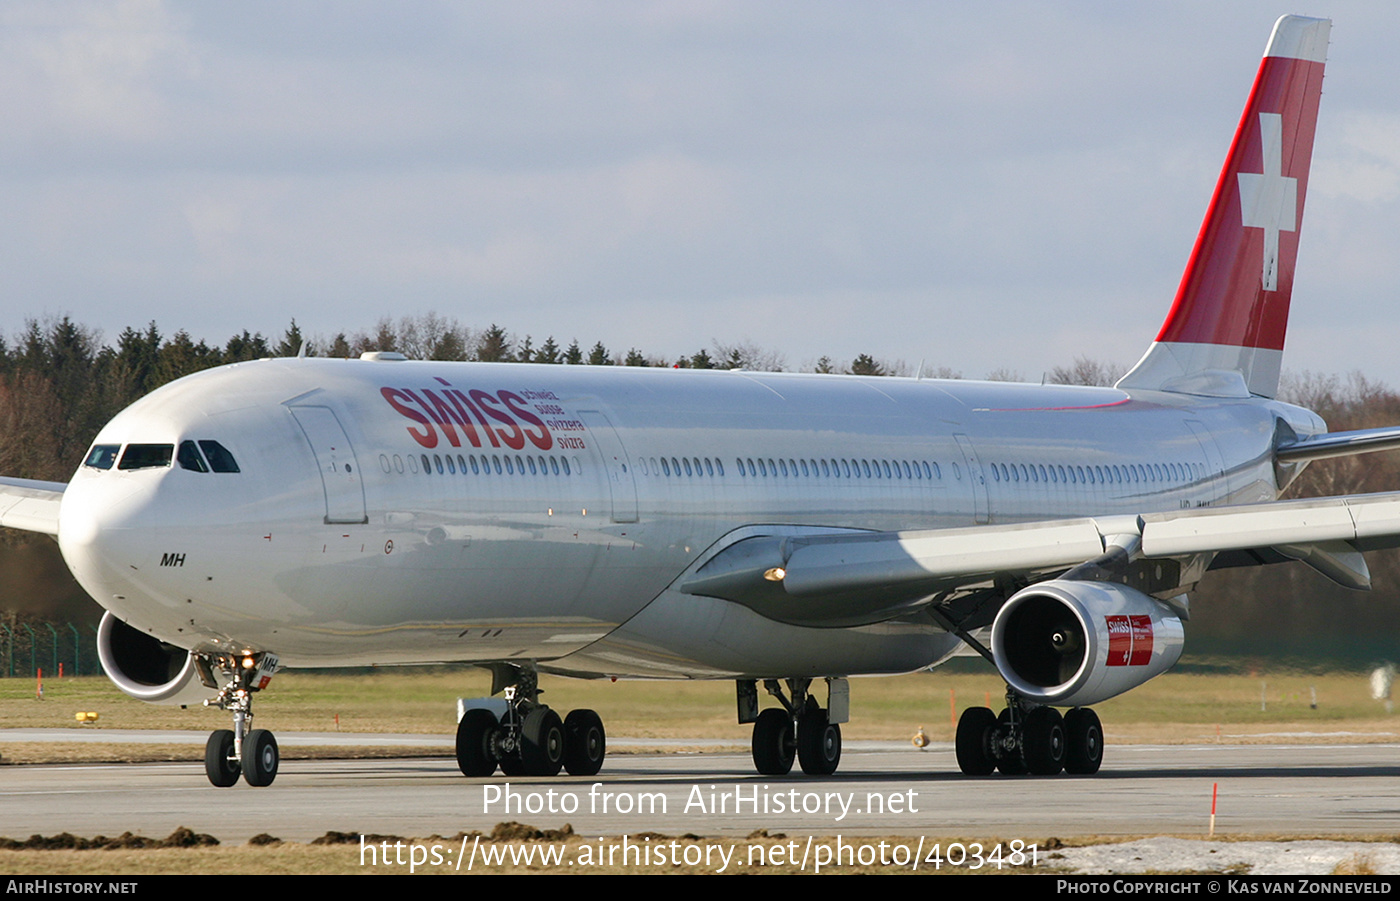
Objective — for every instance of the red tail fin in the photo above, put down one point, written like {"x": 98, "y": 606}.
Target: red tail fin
{"x": 1225, "y": 331}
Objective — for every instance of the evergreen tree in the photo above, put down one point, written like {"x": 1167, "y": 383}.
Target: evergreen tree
{"x": 340, "y": 348}
{"x": 573, "y": 356}
{"x": 138, "y": 356}
{"x": 599, "y": 356}
{"x": 548, "y": 352}
{"x": 494, "y": 346}
{"x": 635, "y": 358}
{"x": 291, "y": 342}
{"x": 448, "y": 346}
{"x": 180, "y": 356}
{"x": 865, "y": 365}
{"x": 244, "y": 346}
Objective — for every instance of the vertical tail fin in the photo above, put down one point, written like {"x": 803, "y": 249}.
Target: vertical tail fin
{"x": 1224, "y": 334}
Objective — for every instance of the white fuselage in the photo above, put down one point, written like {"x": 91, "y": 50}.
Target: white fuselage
{"x": 401, "y": 512}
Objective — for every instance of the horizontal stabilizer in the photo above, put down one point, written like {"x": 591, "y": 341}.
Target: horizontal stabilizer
{"x": 1339, "y": 444}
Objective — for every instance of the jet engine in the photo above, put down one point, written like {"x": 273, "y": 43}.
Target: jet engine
{"x": 1071, "y": 644}
{"x": 146, "y": 667}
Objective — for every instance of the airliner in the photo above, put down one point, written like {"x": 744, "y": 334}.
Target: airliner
{"x": 783, "y": 531}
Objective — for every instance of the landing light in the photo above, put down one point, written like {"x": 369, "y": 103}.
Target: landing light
{"x": 775, "y": 574}
{"x": 247, "y": 662}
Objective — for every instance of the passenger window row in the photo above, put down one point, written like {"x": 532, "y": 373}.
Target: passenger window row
{"x": 474, "y": 464}
{"x": 1075, "y": 474}
{"x": 839, "y": 468}
{"x": 675, "y": 467}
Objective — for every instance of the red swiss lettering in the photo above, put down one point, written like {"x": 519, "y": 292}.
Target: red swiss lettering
{"x": 543, "y": 440}
{"x": 428, "y": 437}
{"x": 512, "y": 436}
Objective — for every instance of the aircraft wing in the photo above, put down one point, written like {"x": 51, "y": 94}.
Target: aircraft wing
{"x": 30, "y": 505}
{"x": 855, "y": 578}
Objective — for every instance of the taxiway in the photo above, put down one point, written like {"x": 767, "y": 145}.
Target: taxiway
{"x": 1310, "y": 790}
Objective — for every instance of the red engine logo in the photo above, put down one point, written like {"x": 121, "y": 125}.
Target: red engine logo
{"x": 1129, "y": 640}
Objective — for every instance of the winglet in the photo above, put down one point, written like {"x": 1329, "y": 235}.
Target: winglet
{"x": 1225, "y": 331}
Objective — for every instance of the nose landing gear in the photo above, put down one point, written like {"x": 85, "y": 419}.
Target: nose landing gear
{"x": 230, "y": 753}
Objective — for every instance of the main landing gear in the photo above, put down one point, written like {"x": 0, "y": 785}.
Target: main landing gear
{"x": 530, "y": 739}
{"x": 801, "y": 730}
{"x": 229, "y": 753}
{"x": 1029, "y": 739}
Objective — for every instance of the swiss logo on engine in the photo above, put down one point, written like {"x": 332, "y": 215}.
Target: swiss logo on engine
{"x": 1129, "y": 640}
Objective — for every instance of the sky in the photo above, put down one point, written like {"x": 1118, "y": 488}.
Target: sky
{"x": 991, "y": 186}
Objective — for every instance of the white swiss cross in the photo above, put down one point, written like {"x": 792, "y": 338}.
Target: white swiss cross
{"x": 1269, "y": 200}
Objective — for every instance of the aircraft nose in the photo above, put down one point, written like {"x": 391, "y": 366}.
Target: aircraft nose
{"x": 105, "y": 523}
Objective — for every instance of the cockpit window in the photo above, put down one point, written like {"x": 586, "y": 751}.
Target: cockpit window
{"x": 102, "y": 456}
{"x": 220, "y": 460}
{"x": 146, "y": 456}
{"x": 189, "y": 458}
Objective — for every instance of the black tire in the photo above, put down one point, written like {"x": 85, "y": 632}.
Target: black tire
{"x": 774, "y": 744}
{"x": 513, "y": 766}
{"x": 542, "y": 742}
{"x": 818, "y": 742}
{"x": 260, "y": 758}
{"x": 222, "y": 768}
{"x": 474, "y": 756}
{"x": 585, "y": 743}
{"x": 1084, "y": 740}
{"x": 1043, "y": 741}
{"x": 1011, "y": 763}
{"x": 974, "y": 741}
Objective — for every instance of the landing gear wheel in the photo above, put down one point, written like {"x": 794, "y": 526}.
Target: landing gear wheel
{"x": 220, "y": 765}
{"x": 474, "y": 755}
{"x": 974, "y": 741}
{"x": 818, "y": 742}
{"x": 774, "y": 744}
{"x": 542, "y": 742}
{"x": 1043, "y": 741}
{"x": 1010, "y": 763}
{"x": 585, "y": 743}
{"x": 513, "y": 766}
{"x": 1084, "y": 738}
{"x": 260, "y": 758}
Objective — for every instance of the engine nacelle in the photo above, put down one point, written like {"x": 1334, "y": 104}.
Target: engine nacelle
{"x": 147, "y": 668}
{"x": 1071, "y": 644}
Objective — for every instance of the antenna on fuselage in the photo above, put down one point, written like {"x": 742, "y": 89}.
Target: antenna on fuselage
{"x": 301, "y": 351}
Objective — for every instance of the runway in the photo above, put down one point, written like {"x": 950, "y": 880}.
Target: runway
{"x": 880, "y": 790}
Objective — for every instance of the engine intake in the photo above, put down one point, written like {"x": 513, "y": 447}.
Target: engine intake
{"x": 146, "y": 667}
{"x": 1072, "y": 644}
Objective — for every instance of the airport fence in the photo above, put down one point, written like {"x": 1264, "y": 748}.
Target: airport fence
{"x": 28, "y": 646}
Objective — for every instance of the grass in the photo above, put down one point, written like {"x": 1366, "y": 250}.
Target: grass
{"x": 1175, "y": 708}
